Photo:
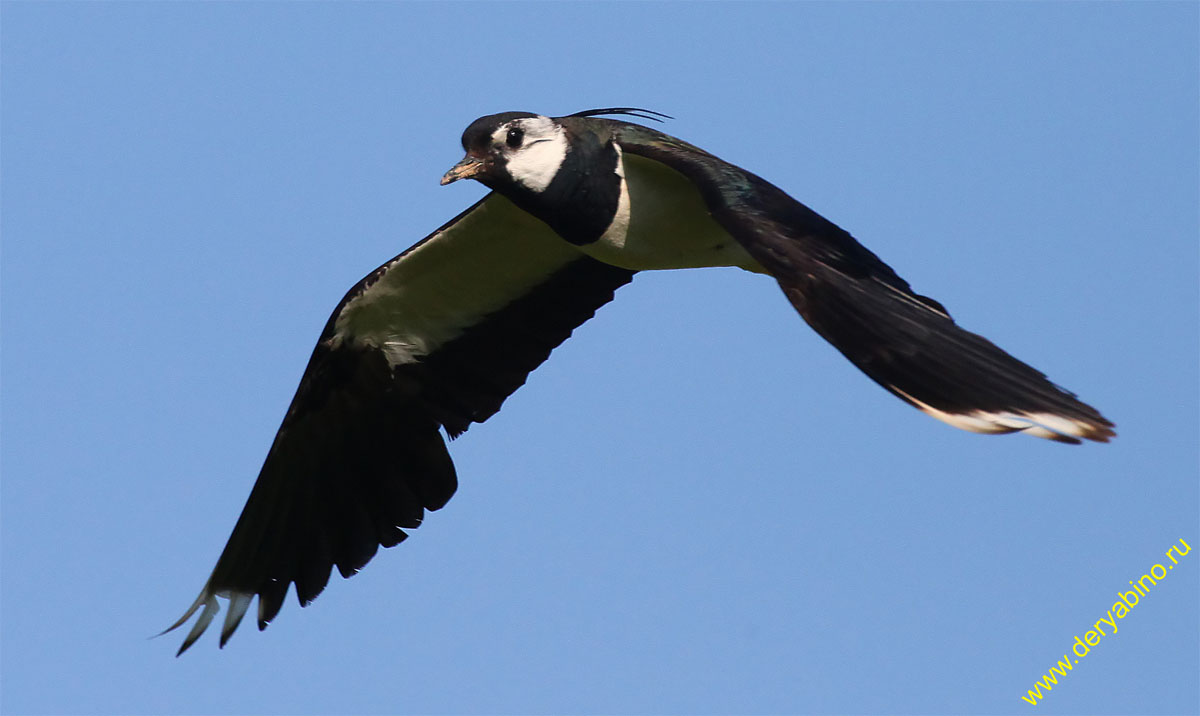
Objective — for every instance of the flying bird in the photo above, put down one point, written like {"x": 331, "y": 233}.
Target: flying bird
{"x": 436, "y": 338}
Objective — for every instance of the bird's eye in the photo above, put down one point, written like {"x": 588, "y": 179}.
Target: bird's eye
{"x": 515, "y": 136}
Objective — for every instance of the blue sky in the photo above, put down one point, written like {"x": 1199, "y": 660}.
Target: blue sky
{"x": 696, "y": 506}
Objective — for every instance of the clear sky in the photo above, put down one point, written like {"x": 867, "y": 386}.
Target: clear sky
{"x": 696, "y": 506}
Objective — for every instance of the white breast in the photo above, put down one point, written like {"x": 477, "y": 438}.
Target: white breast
{"x": 662, "y": 223}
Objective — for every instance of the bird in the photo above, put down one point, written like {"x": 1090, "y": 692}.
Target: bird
{"x": 438, "y": 337}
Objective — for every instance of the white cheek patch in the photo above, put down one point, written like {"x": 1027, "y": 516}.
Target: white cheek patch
{"x": 538, "y": 159}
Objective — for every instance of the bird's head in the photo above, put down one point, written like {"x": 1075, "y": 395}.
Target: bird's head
{"x": 510, "y": 150}
{"x": 566, "y": 171}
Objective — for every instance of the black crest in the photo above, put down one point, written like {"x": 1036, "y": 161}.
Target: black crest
{"x": 628, "y": 111}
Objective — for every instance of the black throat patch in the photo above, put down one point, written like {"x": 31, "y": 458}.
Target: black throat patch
{"x": 581, "y": 201}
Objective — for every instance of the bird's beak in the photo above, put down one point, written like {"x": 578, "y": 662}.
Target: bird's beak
{"x": 465, "y": 169}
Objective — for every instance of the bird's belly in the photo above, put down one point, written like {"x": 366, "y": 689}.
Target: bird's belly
{"x": 662, "y": 223}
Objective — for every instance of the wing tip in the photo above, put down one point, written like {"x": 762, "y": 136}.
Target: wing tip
{"x": 1060, "y": 428}
{"x": 238, "y": 603}
{"x": 1070, "y": 429}
{"x": 209, "y": 606}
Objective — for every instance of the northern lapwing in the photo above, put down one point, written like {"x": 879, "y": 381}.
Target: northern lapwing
{"x": 436, "y": 338}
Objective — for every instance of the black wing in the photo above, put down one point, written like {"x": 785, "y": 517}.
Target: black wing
{"x": 904, "y": 341}
{"x": 437, "y": 337}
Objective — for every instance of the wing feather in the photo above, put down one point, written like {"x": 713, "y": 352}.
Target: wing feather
{"x": 906, "y": 342}
{"x": 436, "y": 338}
